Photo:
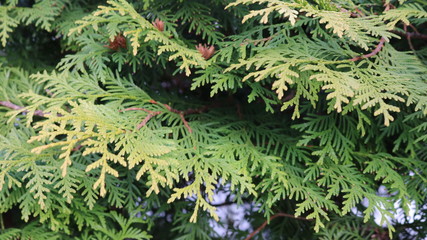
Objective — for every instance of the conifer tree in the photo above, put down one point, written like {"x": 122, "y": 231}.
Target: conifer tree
{"x": 126, "y": 119}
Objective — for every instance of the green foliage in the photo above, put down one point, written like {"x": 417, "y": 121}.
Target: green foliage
{"x": 128, "y": 119}
{"x": 7, "y": 24}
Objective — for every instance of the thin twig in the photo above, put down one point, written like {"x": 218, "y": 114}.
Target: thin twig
{"x": 133, "y": 109}
{"x": 408, "y": 37}
{"x": 150, "y": 115}
{"x": 17, "y": 107}
{"x": 360, "y": 13}
{"x": 373, "y": 53}
{"x": 181, "y": 114}
{"x": 136, "y": 109}
{"x": 10, "y": 105}
{"x": 146, "y": 119}
{"x": 256, "y": 41}
{"x": 410, "y": 34}
{"x": 388, "y": 6}
{"x": 380, "y": 45}
{"x": 271, "y": 218}
{"x": 413, "y": 28}
{"x": 186, "y": 123}
{"x": 78, "y": 147}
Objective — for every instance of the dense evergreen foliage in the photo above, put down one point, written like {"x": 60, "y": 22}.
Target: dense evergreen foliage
{"x": 126, "y": 119}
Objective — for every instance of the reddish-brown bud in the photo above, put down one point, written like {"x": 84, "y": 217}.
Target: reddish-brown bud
{"x": 118, "y": 42}
{"x": 206, "y": 51}
{"x": 159, "y": 24}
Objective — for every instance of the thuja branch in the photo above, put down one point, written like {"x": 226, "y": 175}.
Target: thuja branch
{"x": 408, "y": 38}
{"x": 186, "y": 112}
{"x": 10, "y": 105}
{"x": 181, "y": 114}
{"x": 17, "y": 107}
{"x": 410, "y": 35}
{"x": 380, "y": 45}
{"x": 256, "y": 42}
{"x": 152, "y": 114}
{"x": 373, "y": 53}
{"x": 271, "y": 218}
{"x": 147, "y": 118}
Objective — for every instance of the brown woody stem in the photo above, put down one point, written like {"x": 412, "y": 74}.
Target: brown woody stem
{"x": 410, "y": 34}
{"x": 17, "y": 107}
{"x": 146, "y": 119}
{"x": 373, "y": 53}
{"x": 408, "y": 38}
{"x": 181, "y": 114}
